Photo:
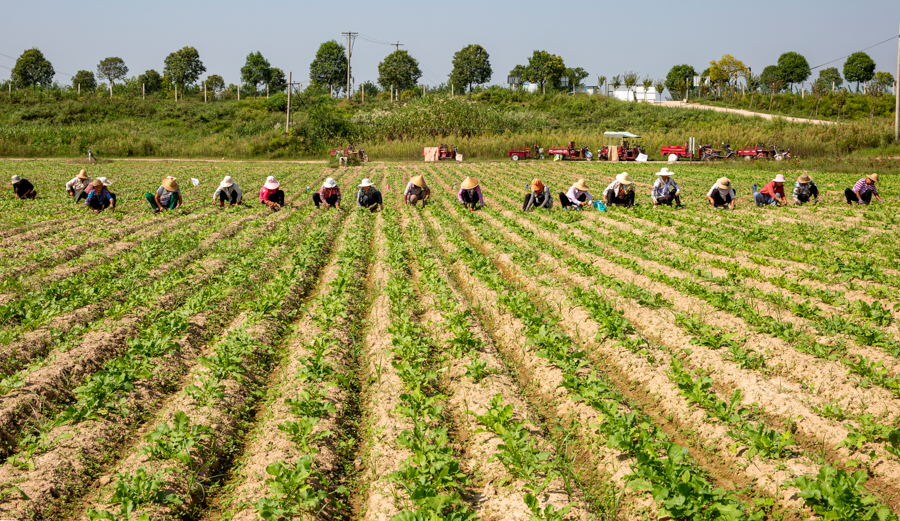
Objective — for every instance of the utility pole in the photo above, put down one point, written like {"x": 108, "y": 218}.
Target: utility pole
{"x": 350, "y": 37}
{"x": 897, "y": 98}
{"x": 397, "y": 45}
{"x": 287, "y": 126}
{"x": 143, "y": 91}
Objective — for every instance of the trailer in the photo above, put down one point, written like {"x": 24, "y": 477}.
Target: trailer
{"x": 625, "y": 145}
{"x": 757, "y": 152}
{"x": 683, "y": 152}
{"x": 350, "y": 151}
{"x": 570, "y": 152}
{"x": 534, "y": 152}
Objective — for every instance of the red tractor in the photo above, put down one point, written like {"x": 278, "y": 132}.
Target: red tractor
{"x": 627, "y": 151}
{"x": 570, "y": 152}
{"x": 683, "y": 152}
{"x": 445, "y": 152}
{"x": 757, "y": 152}
{"x": 349, "y": 151}
{"x": 533, "y": 152}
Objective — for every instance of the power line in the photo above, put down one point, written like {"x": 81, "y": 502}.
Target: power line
{"x": 849, "y": 55}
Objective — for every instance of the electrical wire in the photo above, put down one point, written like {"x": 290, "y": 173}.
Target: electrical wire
{"x": 375, "y": 40}
{"x": 849, "y": 55}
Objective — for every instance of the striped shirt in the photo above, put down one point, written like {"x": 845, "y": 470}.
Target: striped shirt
{"x": 804, "y": 190}
{"x": 861, "y": 187}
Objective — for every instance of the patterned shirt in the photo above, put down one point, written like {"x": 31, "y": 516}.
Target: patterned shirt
{"x": 78, "y": 184}
{"x": 801, "y": 189}
{"x": 663, "y": 188}
{"x": 861, "y": 187}
{"x": 325, "y": 193}
{"x": 104, "y": 197}
{"x": 619, "y": 189}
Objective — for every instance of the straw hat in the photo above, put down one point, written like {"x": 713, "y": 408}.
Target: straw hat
{"x": 581, "y": 186}
{"x": 105, "y": 181}
{"x": 623, "y": 178}
{"x": 537, "y": 185}
{"x": 723, "y": 183}
{"x": 329, "y": 183}
{"x": 469, "y": 183}
{"x": 16, "y": 179}
{"x": 873, "y": 177}
{"x": 227, "y": 182}
{"x": 779, "y": 179}
{"x": 82, "y": 174}
{"x": 804, "y": 179}
{"x": 418, "y": 181}
{"x": 97, "y": 183}
{"x": 170, "y": 184}
{"x": 664, "y": 173}
{"x": 365, "y": 182}
{"x": 271, "y": 183}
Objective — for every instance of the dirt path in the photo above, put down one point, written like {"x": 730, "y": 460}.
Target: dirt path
{"x": 742, "y": 112}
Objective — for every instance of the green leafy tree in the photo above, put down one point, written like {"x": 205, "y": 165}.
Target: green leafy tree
{"x": 215, "y": 83}
{"x": 576, "y": 76}
{"x": 151, "y": 80}
{"x": 860, "y": 68}
{"x": 277, "y": 81}
{"x": 793, "y": 68}
{"x": 86, "y": 80}
{"x": 660, "y": 86}
{"x": 544, "y": 68}
{"x": 183, "y": 67}
{"x": 883, "y": 81}
{"x": 400, "y": 70}
{"x": 329, "y": 68}
{"x": 256, "y": 70}
{"x": 769, "y": 76}
{"x": 831, "y": 76}
{"x": 471, "y": 66}
{"x": 630, "y": 79}
{"x": 31, "y": 69}
{"x": 112, "y": 69}
{"x": 677, "y": 80}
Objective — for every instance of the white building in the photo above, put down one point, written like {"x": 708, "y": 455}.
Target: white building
{"x": 637, "y": 93}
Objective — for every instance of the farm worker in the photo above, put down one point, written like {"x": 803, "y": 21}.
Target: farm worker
{"x": 620, "y": 192}
{"x": 270, "y": 195}
{"x": 538, "y": 196}
{"x": 721, "y": 194}
{"x": 228, "y": 192}
{"x": 329, "y": 194}
{"x": 78, "y": 186}
{"x": 772, "y": 194}
{"x": 805, "y": 188}
{"x": 863, "y": 190}
{"x": 589, "y": 155}
{"x": 416, "y": 191}
{"x": 167, "y": 196}
{"x": 665, "y": 189}
{"x": 90, "y": 154}
{"x": 368, "y": 196}
{"x": 577, "y": 196}
{"x": 106, "y": 182}
{"x": 99, "y": 198}
{"x": 22, "y": 188}
{"x": 470, "y": 194}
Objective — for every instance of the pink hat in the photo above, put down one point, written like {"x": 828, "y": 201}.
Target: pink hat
{"x": 779, "y": 178}
{"x": 271, "y": 183}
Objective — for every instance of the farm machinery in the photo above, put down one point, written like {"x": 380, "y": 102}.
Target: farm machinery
{"x": 625, "y": 144}
{"x": 350, "y": 152}
{"x": 708, "y": 153}
{"x": 533, "y": 152}
{"x": 569, "y": 152}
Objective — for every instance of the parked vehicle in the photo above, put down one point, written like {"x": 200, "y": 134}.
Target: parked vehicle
{"x": 708, "y": 153}
{"x": 683, "y": 152}
{"x": 780, "y": 153}
{"x": 350, "y": 151}
{"x": 757, "y": 152}
{"x": 626, "y": 145}
{"x": 569, "y": 152}
{"x": 533, "y": 152}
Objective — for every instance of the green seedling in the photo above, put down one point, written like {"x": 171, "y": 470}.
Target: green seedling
{"x": 293, "y": 491}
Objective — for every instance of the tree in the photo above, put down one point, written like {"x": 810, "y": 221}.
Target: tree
{"x": 678, "y": 78}
{"x": 727, "y": 70}
{"x": 660, "y": 86}
{"x": 277, "y": 81}
{"x": 793, "y": 68}
{"x": 215, "y": 83}
{"x": 32, "y": 69}
{"x": 151, "y": 80}
{"x": 471, "y": 66}
{"x": 112, "y": 69}
{"x": 576, "y": 76}
{"x": 183, "y": 67}
{"x": 884, "y": 81}
{"x": 769, "y": 76}
{"x": 256, "y": 70}
{"x": 616, "y": 82}
{"x": 647, "y": 82}
{"x": 544, "y": 68}
{"x": 860, "y": 68}
{"x": 601, "y": 81}
{"x": 630, "y": 79}
{"x": 329, "y": 68}
{"x": 400, "y": 70}
{"x": 86, "y": 80}
{"x": 831, "y": 76}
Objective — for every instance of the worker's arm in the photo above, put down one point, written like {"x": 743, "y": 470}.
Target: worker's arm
{"x": 177, "y": 206}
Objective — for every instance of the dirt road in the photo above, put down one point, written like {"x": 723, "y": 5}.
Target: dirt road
{"x": 683, "y": 105}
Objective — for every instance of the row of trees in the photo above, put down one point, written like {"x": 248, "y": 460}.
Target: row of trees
{"x": 545, "y": 69}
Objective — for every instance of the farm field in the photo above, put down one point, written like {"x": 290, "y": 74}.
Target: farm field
{"x": 225, "y": 364}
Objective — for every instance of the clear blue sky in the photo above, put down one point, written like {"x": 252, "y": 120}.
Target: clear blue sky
{"x": 606, "y": 38}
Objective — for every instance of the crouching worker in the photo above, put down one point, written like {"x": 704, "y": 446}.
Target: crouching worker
{"x": 772, "y": 194}
{"x": 416, "y": 191}
{"x": 665, "y": 190}
{"x": 79, "y": 186}
{"x": 863, "y": 191}
{"x": 167, "y": 196}
{"x": 106, "y": 182}
{"x": 270, "y": 195}
{"x": 620, "y": 192}
{"x": 805, "y": 189}
{"x": 228, "y": 192}
{"x": 470, "y": 194}
{"x": 22, "y": 188}
{"x": 329, "y": 195}
{"x": 721, "y": 195}
{"x": 538, "y": 197}
{"x": 577, "y": 197}
{"x": 369, "y": 197}
{"x": 99, "y": 198}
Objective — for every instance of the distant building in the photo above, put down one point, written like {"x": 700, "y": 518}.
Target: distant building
{"x": 637, "y": 93}
{"x": 588, "y": 89}
{"x": 530, "y": 87}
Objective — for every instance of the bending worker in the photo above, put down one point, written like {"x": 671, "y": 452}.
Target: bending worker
{"x": 721, "y": 195}
{"x": 99, "y": 198}
{"x": 22, "y": 188}
{"x": 228, "y": 192}
{"x": 79, "y": 186}
{"x": 665, "y": 190}
{"x": 368, "y": 196}
{"x": 772, "y": 194}
{"x": 863, "y": 191}
{"x": 804, "y": 189}
{"x": 329, "y": 195}
{"x": 416, "y": 191}
{"x": 470, "y": 194}
{"x": 270, "y": 195}
{"x": 577, "y": 197}
{"x": 538, "y": 196}
{"x": 620, "y": 192}
{"x": 167, "y": 196}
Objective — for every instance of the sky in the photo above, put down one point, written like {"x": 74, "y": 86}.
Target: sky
{"x": 605, "y": 38}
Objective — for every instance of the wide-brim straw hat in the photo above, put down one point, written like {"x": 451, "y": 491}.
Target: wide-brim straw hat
{"x": 105, "y": 181}
{"x": 664, "y": 173}
{"x": 16, "y": 179}
{"x": 96, "y": 183}
{"x": 537, "y": 185}
{"x": 873, "y": 177}
{"x": 329, "y": 183}
{"x": 418, "y": 181}
{"x": 779, "y": 179}
{"x": 271, "y": 183}
{"x": 227, "y": 182}
{"x": 365, "y": 182}
{"x": 170, "y": 184}
{"x": 469, "y": 183}
{"x": 623, "y": 178}
{"x": 804, "y": 179}
{"x": 581, "y": 185}
{"x": 723, "y": 183}
{"x": 82, "y": 174}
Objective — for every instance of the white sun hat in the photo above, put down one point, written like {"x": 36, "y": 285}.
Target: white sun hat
{"x": 779, "y": 179}
{"x": 226, "y": 182}
{"x": 329, "y": 183}
{"x": 664, "y": 173}
{"x": 16, "y": 179}
{"x": 105, "y": 181}
{"x": 271, "y": 183}
{"x": 365, "y": 182}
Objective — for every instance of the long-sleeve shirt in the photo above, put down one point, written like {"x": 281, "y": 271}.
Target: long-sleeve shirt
{"x": 229, "y": 191}
{"x": 78, "y": 184}
{"x": 573, "y": 194}
{"x": 861, "y": 187}
{"x": 412, "y": 189}
{"x": 264, "y": 194}
{"x": 23, "y": 187}
{"x": 619, "y": 189}
{"x": 475, "y": 191}
{"x": 366, "y": 199}
{"x": 801, "y": 189}
{"x": 663, "y": 188}
{"x": 724, "y": 193}
{"x": 325, "y": 193}
{"x": 773, "y": 190}
{"x": 104, "y": 196}
{"x": 546, "y": 202}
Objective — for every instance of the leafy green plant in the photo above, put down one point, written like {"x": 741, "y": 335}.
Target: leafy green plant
{"x": 293, "y": 491}
{"x": 301, "y": 432}
{"x": 547, "y": 513}
{"x": 477, "y": 370}
{"x": 167, "y": 442}
{"x": 208, "y": 392}
{"x": 835, "y": 494}
{"x": 33, "y": 444}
